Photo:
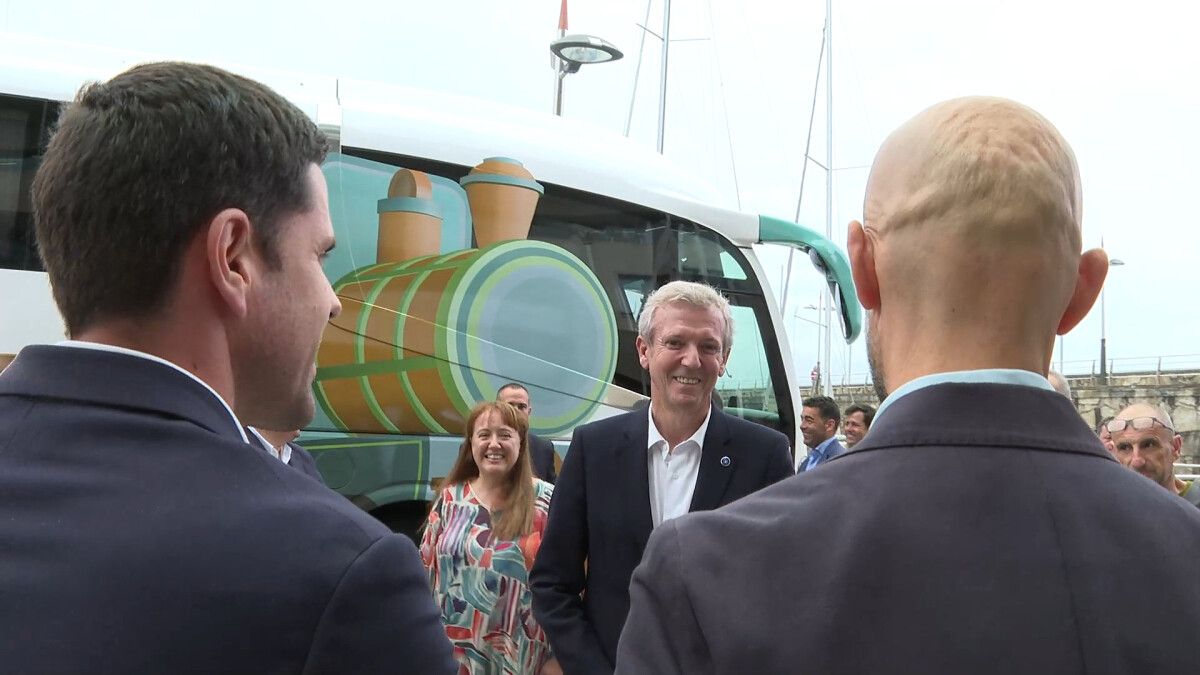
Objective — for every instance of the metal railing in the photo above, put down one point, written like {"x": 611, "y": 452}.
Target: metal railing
{"x": 1083, "y": 368}
{"x": 1192, "y": 471}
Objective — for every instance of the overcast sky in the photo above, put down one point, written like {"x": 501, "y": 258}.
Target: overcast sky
{"x": 1120, "y": 83}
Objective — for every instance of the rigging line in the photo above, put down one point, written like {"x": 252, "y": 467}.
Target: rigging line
{"x": 638, "y": 70}
{"x": 811, "y": 118}
{"x": 804, "y": 169}
{"x": 712, "y": 31}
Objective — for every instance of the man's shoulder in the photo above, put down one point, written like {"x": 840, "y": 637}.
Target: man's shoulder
{"x": 540, "y": 442}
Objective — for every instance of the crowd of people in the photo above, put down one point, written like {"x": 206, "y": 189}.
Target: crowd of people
{"x": 972, "y": 523}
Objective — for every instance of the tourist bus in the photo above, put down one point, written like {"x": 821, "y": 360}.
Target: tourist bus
{"x": 478, "y": 245}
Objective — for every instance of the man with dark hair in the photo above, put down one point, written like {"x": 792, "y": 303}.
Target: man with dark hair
{"x": 856, "y": 423}
{"x": 182, "y": 218}
{"x": 980, "y": 527}
{"x": 541, "y": 450}
{"x": 819, "y": 422}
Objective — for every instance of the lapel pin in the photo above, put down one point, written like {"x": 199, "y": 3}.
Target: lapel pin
{"x": 725, "y": 461}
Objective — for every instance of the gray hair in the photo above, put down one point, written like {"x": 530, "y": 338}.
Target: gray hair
{"x": 691, "y": 293}
{"x": 1059, "y": 383}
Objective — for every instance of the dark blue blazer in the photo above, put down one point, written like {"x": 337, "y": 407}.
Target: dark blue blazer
{"x": 979, "y": 528}
{"x": 541, "y": 454}
{"x": 303, "y": 460}
{"x": 143, "y": 535}
{"x": 600, "y": 515}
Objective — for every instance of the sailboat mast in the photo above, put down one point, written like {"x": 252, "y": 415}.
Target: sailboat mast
{"x": 828, "y": 385}
{"x": 662, "y": 85}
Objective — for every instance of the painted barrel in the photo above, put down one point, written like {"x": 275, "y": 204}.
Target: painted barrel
{"x": 420, "y": 342}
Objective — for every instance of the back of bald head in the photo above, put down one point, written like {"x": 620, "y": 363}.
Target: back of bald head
{"x": 975, "y": 206}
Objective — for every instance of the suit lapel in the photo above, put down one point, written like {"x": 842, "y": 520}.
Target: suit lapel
{"x": 718, "y": 461}
{"x": 632, "y": 463}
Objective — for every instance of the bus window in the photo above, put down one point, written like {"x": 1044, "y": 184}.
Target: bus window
{"x": 24, "y": 132}
{"x": 746, "y": 389}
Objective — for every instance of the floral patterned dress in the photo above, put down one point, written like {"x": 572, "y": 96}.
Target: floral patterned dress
{"x": 482, "y": 585}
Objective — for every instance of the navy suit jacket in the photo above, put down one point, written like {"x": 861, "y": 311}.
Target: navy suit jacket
{"x": 541, "y": 453}
{"x": 143, "y": 535}
{"x": 303, "y": 460}
{"x": 979, "y": 528}
{"x": 600, "y": 515}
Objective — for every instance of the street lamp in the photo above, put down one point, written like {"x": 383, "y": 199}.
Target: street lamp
{"x": 573, "y": 51}
{"x": 1103, "y": 346}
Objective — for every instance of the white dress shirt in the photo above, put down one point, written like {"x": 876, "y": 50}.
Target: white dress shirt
{"x": 283, "y": 454}
{"x": 672, "y": 471}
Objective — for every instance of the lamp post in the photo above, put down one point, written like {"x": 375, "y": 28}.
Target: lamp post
{"x": 573, "y": 51}
{"x": 1114, "y": 262}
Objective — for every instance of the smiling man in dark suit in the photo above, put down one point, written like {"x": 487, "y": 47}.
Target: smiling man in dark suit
{"x": 625, "y": 475}
{"x": 980, "y": 527}
{"x": 182, "y": 217}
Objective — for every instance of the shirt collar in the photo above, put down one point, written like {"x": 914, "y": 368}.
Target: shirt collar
{"x": 655, "y": 437}
{"x": 283, "y": 454}
{"x": 983, "y": 376}
{"x": 824, "y": 445}
{"x": 82, "y": 344}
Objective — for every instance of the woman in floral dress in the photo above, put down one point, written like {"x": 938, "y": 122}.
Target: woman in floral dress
{"x": 479, "y": 544}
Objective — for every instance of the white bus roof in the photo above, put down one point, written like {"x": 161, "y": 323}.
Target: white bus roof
{"x": 420, "y": 123}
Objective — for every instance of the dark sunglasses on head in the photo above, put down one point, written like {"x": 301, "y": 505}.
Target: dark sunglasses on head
{"x": 1138, "y": 424}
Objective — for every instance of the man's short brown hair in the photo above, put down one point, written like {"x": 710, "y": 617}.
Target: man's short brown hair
{"x": 140, "y": 163}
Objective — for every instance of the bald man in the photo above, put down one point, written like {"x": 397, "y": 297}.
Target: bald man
{"x": 1059, "y": 383}
{"x": 1144, "y": 439}
{"x": 981, "y": 527}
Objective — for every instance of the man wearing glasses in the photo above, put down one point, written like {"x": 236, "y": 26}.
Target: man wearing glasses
{"x": 1144, "y": 439}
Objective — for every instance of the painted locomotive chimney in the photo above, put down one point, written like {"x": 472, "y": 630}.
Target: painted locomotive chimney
{"x": 503, "y": 196}
{"x": 410, "y": 222}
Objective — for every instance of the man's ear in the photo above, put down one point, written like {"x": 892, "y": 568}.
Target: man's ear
{"x": 231, "y": 259}
{"x": 1093, "y": 269}
{"x": 1176, "y": 447}
{"x": 643, "y": 357}
{"x": 862, "y": 265}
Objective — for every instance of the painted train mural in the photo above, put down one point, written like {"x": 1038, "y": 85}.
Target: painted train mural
{"x": 437, "y": 313}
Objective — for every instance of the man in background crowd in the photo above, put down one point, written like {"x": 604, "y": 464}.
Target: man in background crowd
{"x": 856, "y": 423}
{"x": 819, "y": 421}
{"x": 1059, "y": 383}
{"x": 1144, "y": 439}
{"x": 541, "y": 450}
